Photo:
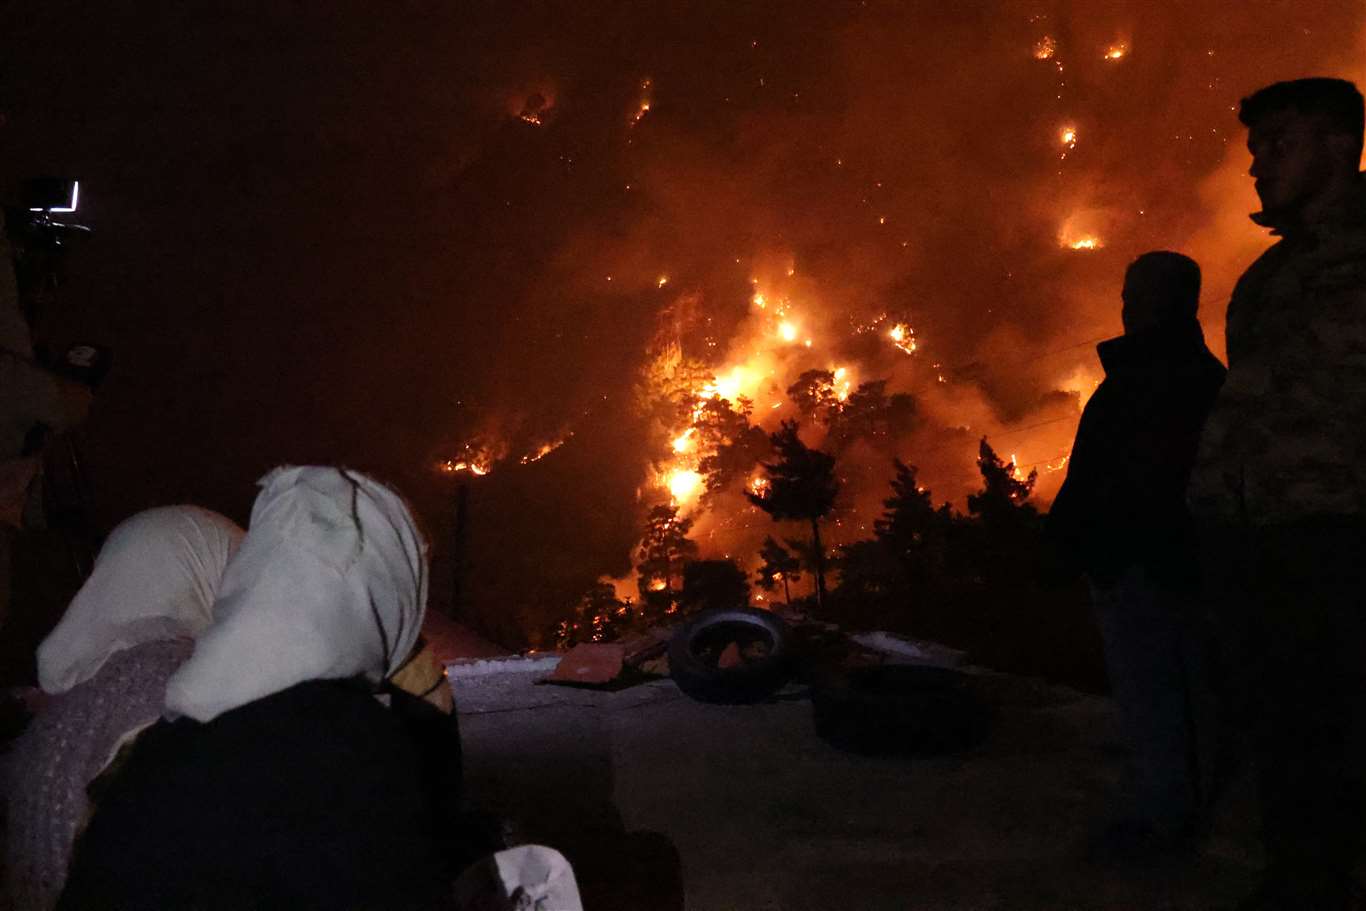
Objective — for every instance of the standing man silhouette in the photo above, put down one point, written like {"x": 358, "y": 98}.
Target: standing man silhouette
{"x": 1121, "y": 518}
{"x": 1280, "y": 488}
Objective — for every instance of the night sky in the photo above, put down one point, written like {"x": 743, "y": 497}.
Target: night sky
{"x": 323, "y": 233}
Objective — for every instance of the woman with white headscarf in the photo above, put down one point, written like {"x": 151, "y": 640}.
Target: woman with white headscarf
{"x": 282, "y": 781}
{"x": 106, "y": 663}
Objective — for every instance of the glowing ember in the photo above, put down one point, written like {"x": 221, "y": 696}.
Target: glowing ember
{"x": 788, "y": 332}
{"x": 1045, "y": 48}
{"x": 1068, "y": 136}
{"x": 661, "y": 281}
{"x": 684, "y": 484}
{"x": 658, "y": 585}
{"x": 644, "y": 107}
{"x": 1116, "y": 51}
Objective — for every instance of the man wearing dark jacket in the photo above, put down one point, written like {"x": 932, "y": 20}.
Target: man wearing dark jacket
{"x": 1121, "y": 518}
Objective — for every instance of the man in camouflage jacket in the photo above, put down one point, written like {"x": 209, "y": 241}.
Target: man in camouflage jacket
{"x": 1280, "y": 488}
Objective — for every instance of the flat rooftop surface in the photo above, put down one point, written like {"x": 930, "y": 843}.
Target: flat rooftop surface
{"x": 664, "y": 802}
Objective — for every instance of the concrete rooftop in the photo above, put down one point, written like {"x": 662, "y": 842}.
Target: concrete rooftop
{"x": 651, "y": 794}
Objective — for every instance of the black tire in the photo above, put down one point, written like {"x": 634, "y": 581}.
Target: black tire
{"x": 693, "y": 650}
{"x": 900, "y": 710}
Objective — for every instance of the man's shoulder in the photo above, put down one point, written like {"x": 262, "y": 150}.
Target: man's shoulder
{"x": 1255, "y": 276}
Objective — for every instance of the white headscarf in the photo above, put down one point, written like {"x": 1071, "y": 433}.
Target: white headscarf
{"x": 330, "y": 582}
{"x": 155, "y": 578}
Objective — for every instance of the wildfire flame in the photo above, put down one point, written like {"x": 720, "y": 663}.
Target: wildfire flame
{"x": 842, "y": 383}
{"x": 1086, "y": 243}
{"x": 544, "y": 450}
{"x": 452, "y": 466}
{"x": 1068, "y": 136}
{"x": 788, "y": 331}
{"x": 903, "y": 337}
{"x": 684, "y": 484}
{"x": 1116, "y": 51}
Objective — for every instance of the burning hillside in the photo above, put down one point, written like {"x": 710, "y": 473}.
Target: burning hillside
{"x": 906, "y": 235}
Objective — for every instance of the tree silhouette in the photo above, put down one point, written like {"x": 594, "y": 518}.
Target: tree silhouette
{"x": 801, "y": 486}
{"x": 713, "y": 584}
{"x": 780, "y": 565}
{"x": 663, "y": 551}
{"x": 1003, "y": 496}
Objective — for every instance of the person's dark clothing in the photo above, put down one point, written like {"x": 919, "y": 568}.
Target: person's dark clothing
{"x": 1294, "y": 610}
{"x": 1279, "y": 489}
{"x": 308, "y": 798}
{"x": 1123, "y": 501}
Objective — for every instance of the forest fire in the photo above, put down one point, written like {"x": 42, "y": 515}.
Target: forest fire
{"x": 895, "y": 277}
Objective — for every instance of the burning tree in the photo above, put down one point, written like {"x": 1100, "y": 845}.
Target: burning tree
{"x": 870, "y": 413}
{"x": 1004, "y": 493}
{"x": 660, "y": 558}
{"x": 1004, "y": 534}
{"x": 801, "y": 486}
{"x": 732, "y": 445}
{"x": 598, "y": 617}
{"x": 815, "y": 395}
{"x": 780, "y": 565}
{"x": 867, "y": 412}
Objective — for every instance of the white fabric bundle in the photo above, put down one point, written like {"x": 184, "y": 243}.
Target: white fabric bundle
{"x": 330, "y": 583}
{"x": 155, "y": 578}
{"x": 525, "y": 878}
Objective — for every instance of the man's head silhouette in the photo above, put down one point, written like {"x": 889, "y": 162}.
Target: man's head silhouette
{"x": 1160, "y": 288}
{"x": 1305, "y": 137}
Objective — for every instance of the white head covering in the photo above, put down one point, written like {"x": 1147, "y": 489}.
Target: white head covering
{"x": 330, "y": 582}
{"x": 155, "y": 578}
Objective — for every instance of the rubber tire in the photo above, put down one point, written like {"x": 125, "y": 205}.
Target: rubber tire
{"x": 752, "y": 681}
{"x": 900, "y": 710}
